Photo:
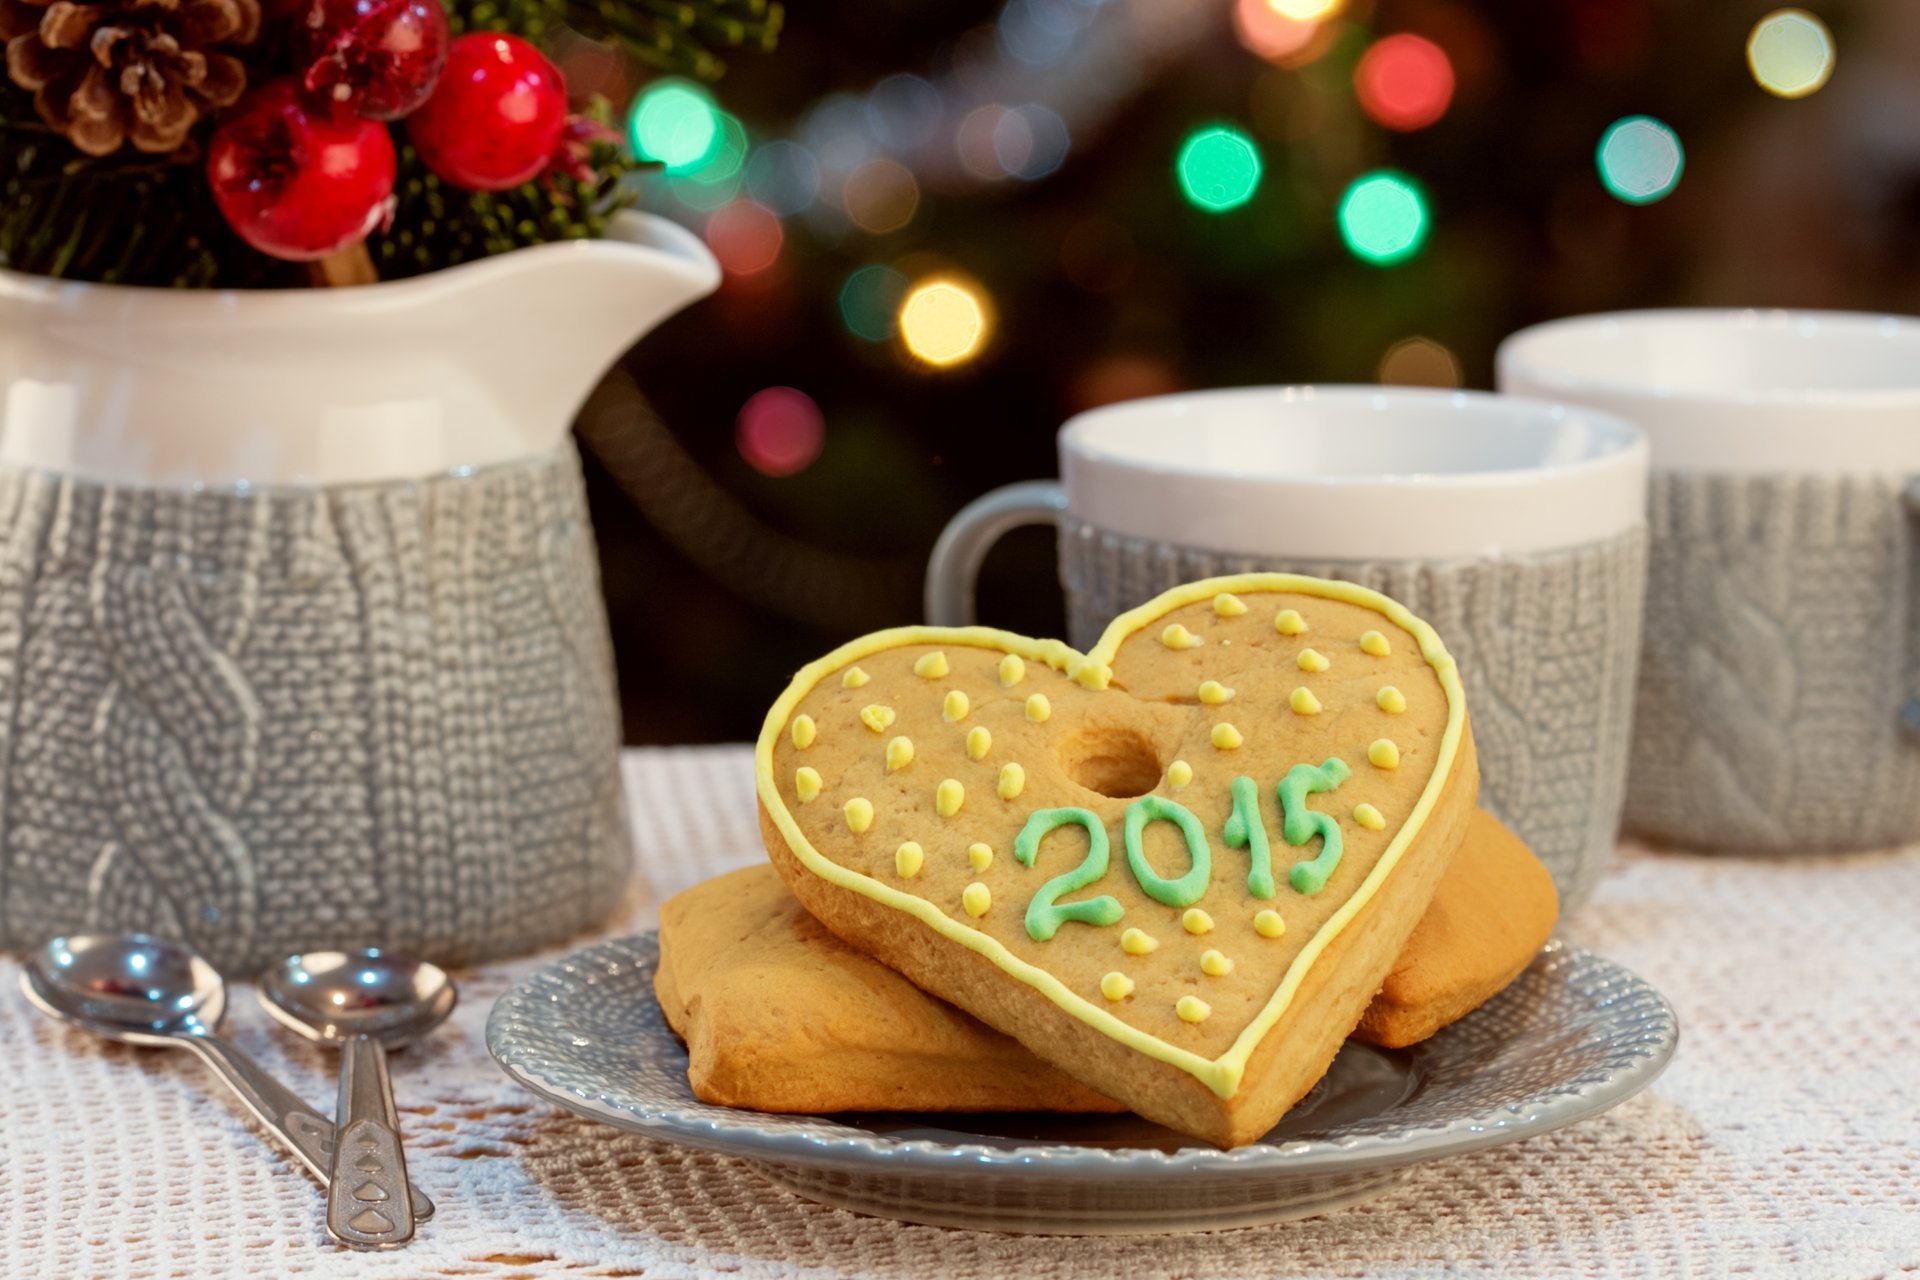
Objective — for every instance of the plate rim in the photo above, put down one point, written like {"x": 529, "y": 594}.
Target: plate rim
{"x": 1643, "y": 1059}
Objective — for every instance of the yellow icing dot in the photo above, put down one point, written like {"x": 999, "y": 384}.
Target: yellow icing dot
{"x": 1192, "y": 1009}
{"x": 1228, "y": 605}
{"x": 804, "y": 732}
{"x": 908, "y": 859}
{"x": 859, "y": 813}
{"x": 1268, "y": 924}
{"x": 931, "y": 666}
{"x": 1196, "y": 921}
{"x": 899, "y": 754}
{"x": 1012, "y": 671}
{"x": 1138, "y": 943}
{"x": 1213, "y": 693}
{"x": 955, "y": 707}
{"x": 806, "y": 783}
{"x": 1374, "y": 643}
{"x": 1288, "y": 622}
{"x": 1179, "y": 773}
{"x": 1013, "y": 780}
{"x": 1214, "y": 964}
{"x": 979, "y": 742}
{"x": 1369, "y": 817}
{"x": 1116, "y": 986}
{"x": 1313, "y": 660}
{"x": 976, "y": 898}
{"x": 876, "y": 717}
{"x": 1384, "y": 754}
{"x": 1390, "y": 700}
{"x": 1303, "y": 702}
{"x": 1225, "y": 737}
{"x": 1038, "y": 708}
{"x": 1178, "y": 637}
{"x": 979, "y": 856}
{"x": 854, "y": 678}
{"x": 948, "y": 797}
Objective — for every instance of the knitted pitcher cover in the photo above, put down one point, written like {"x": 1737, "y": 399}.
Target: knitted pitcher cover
{"x": 1780, "y": 635}
{"x": 274, "y": 720}
{"x": 1546, "y": 646}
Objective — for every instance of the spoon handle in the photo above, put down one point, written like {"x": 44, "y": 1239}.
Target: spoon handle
{"x": 301, "y": 1129}
{"x": 367, "y": 1203}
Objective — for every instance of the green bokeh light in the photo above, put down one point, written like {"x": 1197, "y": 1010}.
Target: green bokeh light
{"x": 1640, "y": 159}
{"x": 1383, "y": 217}
{"x": 869, "y": 301}
{"x": 716, "y": 180}
{"x": 676, "y": 123}
{"x": 1218, "y": 168}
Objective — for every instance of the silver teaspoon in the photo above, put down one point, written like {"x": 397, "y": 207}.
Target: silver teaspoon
{"x": 148, "y": 991}
{"x": 364, "y": 1002}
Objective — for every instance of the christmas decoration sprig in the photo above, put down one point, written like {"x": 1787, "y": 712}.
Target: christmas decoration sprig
{"x": 180, "y": 142}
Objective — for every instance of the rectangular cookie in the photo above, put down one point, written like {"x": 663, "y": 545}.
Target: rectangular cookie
{"x": 780, "y": 1015}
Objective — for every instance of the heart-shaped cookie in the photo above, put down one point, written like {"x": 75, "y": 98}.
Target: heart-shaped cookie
{"x": 1178, "y": 866}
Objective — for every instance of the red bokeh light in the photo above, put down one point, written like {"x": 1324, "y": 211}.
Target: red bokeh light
{"x": 1404, "y": 82}
{"x": 780, "y": 431}
{"x": 745, "y": 237}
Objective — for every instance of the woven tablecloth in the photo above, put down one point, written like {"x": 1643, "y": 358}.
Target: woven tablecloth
{"x": 1783, "y": 1141}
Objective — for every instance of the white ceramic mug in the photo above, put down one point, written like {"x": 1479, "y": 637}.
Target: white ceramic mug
{"x": 1515, "y": 527}
{"x": 1777, "y": 705}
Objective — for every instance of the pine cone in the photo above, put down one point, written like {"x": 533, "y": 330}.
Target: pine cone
{"x": 144, "y": 70}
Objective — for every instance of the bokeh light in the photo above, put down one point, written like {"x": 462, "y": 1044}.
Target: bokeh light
{"x": 1383, "y": 217}
{"x": 943, "y": 322}
{"x": 1790, "y": 53}
{"x": 1404, "y": 82}
{"x": 1030, "y": 142}
{"x": 783, "y": 176}
{"x": 1218, "y": 168}
{"x": 1640, "y": 159}
{"x": 745, "y": 237}
{"x": 1112, "y": 379}
{"x": 1305, "y": 10}
{"x": 881, "y": 196}
{"x": 716, "y": 179}
{"x": 676, "y": 123}
{"x": 1269, "y": 33}
{"x": 780, "y": 431}
{"x": 1098, "y": 254}
{"x": 1419, "y": 362}
{"x": 904, "y": 111}
{"x": 869, "y": 301}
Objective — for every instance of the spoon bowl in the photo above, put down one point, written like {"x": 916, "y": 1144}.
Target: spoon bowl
{"x": 334, "y": 996}
{"x": 131, "y": 988}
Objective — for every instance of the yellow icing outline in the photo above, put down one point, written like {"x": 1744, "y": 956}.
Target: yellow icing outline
{"x": 1093, "y": 670}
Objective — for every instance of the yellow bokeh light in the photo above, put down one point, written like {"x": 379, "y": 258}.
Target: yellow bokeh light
{"x": 1790, "y": 53}
{"x": 943, "y": 322}
{"x": 1305, "y": 10}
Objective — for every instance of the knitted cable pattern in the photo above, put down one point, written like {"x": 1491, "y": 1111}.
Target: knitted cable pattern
{"x": 275, "y": 720}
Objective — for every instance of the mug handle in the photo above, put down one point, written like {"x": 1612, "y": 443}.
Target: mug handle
{"x": 953, "y": 569}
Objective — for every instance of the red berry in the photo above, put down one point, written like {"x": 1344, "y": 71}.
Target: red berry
{"x": 380, "y": 58}
{"x": 296, "y": 182}
{"x": 495, "y": 117}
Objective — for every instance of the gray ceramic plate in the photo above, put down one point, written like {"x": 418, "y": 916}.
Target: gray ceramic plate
{"x": 1574, "y": 1036}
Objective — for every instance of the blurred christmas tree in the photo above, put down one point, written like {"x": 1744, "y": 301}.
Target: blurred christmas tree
{"x": 947, "y": 228}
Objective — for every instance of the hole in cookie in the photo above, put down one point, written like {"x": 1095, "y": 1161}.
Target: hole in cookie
{"x": 1114, "y": 761}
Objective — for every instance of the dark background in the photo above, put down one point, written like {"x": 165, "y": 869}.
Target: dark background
{"x": 1105, "y": 283}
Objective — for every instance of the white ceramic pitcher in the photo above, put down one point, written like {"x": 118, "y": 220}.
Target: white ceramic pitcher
{"x": 301, "y": 640}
